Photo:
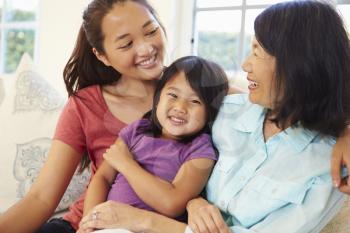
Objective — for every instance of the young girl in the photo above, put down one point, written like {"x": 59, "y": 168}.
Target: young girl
{"x": 172, "y": 143}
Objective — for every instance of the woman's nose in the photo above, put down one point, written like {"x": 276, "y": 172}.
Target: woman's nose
{"x": 144, "y": 49}
{"x": 246, "y": 65}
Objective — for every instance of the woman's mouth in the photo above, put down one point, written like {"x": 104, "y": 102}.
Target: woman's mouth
{"x": 148, "y": 63}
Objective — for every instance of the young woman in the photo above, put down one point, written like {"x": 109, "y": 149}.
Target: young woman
{"x": 172, "y": 142}
{"x": 110, "y": 78}
{"x": 274, "y": 144}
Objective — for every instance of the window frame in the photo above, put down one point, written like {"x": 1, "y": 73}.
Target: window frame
{"x": 244, "y": 7}
{"x": 21, "y": 25}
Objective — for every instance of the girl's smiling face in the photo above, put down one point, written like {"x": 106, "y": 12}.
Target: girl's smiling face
{"x": 180, "y": 111}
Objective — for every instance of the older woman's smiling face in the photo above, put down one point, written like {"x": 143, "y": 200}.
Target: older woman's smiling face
{"x": 261, "y": 69}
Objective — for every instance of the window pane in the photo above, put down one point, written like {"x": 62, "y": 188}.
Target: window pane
{"x": 217, "y": 37}
{"x": 345, "y": 12}
{"x": 263, "y": 2}
{"x": 249, "y": 30}
{"x": 17, "y": 42}
{"x": 218, "y": 3}
{"x": 1, "y": 7}
{"x": 20, "y": 10}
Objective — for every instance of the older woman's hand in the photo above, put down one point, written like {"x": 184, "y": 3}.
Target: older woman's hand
{"x": 340, "y": 158}
{"x": 204, "y": 217}
{"x": 111, "y": 214}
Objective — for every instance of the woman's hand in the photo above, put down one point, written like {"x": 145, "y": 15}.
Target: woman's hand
{"x": 118, "y": 155}
{"x": 340, "y": 158}
{"x": 111, "y": 214}
{"x": 204, "y": 217}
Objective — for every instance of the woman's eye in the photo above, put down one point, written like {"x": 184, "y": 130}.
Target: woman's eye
{"x": 127, "y": 45}
{"x": 152, "y": 32}
{"x": 172, "y": 95}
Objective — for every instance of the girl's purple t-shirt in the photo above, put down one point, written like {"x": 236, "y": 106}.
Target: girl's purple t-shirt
{"x": 161, "y": 157}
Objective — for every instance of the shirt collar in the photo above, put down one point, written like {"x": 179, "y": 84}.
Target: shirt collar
{"x": 251, "y": 116}
{"x": 298, "y": 137}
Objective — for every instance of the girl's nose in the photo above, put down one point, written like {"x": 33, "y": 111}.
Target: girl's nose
{"x": 180, "y": 106}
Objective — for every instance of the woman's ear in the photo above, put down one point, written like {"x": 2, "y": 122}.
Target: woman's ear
{"x": 101, "y": 57}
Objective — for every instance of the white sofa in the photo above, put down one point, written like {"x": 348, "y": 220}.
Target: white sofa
{"x": 29, "y": 109}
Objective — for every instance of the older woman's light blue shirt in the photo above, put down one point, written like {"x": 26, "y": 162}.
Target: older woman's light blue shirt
{"x": 282, "y": 185}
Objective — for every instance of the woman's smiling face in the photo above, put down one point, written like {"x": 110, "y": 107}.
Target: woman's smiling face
{"x": 261, "y": 69}
{"x": 134, "y": 41}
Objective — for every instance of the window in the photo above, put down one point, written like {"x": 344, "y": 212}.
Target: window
{"x": 222, "y": 29}
{"x": 18, "y": 23}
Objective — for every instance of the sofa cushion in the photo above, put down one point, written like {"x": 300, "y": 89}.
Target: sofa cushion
{"x": 341, "y": 222}
{"x": 28, "y": 116}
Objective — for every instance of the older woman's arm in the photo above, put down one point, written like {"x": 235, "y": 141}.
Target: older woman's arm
{"x": 320, "y": 204}
{"x": 234, "y": 89}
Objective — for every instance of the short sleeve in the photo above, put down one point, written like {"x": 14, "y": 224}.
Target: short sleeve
{"x": 130, "y": 132}
{"x": 69, "y": 127}
{"x": 200, "y": 147}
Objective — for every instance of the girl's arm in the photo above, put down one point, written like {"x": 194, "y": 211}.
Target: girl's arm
{"x": 340, "y": 157}
{"x": 99, "y": 186}
{"x": 167, "y": 198}
{"x": 40, "y": 202}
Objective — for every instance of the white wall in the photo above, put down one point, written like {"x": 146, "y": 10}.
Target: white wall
{"x": 59, "y": 22}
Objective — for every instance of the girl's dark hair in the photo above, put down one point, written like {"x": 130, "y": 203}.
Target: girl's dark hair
{"x": 206, "y": 78}
{"x": 83, "y": 69}
{"x": 312, "y": 51}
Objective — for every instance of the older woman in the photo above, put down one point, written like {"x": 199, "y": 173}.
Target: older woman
{"x": 275, "y": 144}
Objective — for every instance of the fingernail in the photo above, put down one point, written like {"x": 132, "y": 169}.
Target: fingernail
{"x": 336, "y": 183}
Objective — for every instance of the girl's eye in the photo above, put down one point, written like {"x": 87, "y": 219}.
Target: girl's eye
{"x": 172, "y": 95}
{"x": 152, "y": 32}
{"x": 196, "y": 102}
{"x": 127, "y": 45}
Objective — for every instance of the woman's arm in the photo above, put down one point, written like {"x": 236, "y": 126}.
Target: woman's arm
{"x": 233, "y": 89}
{"x": 340, "y": 158}
{"x": 113, "y": 214}
{"x": 39, "y": 204}
{"x": 319, "y": 206}
{"x": 205, "y": 217}
{"x": 99, "y": 186}
{"x": 167, "y": 198}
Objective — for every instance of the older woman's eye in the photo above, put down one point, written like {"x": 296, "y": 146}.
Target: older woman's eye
{"x": 172, "y": 95}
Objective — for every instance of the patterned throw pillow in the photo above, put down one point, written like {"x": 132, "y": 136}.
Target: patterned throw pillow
{"x": 28, "y": 116}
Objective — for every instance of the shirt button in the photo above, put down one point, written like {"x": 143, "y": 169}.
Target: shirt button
{"x": 222, "y": 204}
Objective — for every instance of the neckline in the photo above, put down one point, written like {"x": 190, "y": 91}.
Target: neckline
{"x": 106, "y": 108}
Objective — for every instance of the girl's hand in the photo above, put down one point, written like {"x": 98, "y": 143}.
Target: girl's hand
{"x": 113, "y": 215}
{"x": 118, "y": 155}
{"x": 340, "y": 158}
{"x": 204, "y": 217}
